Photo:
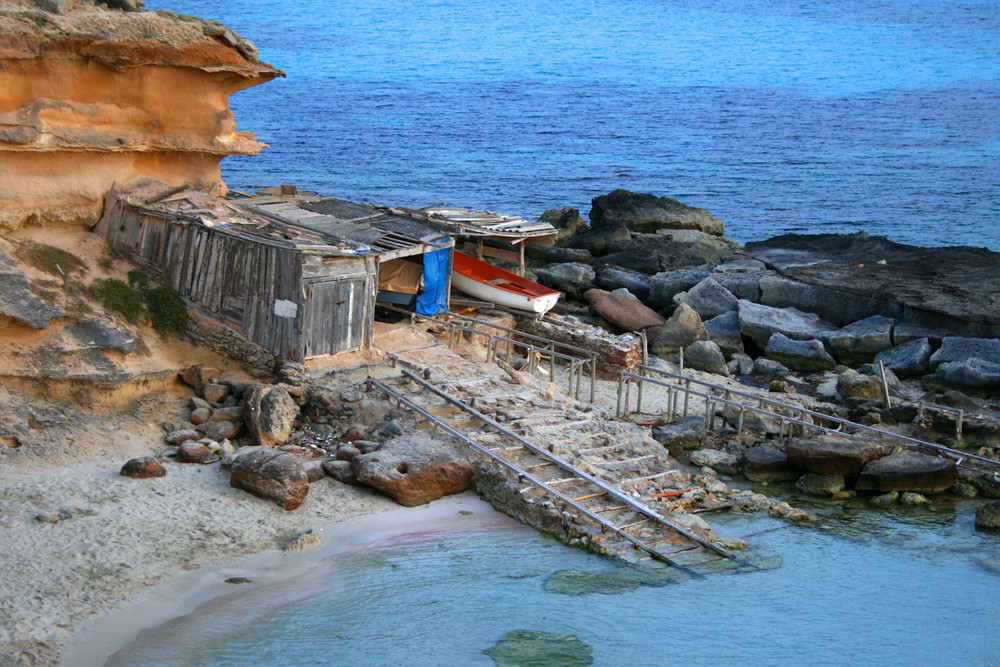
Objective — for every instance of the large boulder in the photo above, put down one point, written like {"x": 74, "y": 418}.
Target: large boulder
{"x": 724, "y": 331}
{"x": 837, "y": 306}
{"x": 665, "y": 284}
{"x": 860, "y": 341}
{"x": 704, "y": 355}
{"x": 908, "y": 471}
{"x": 758, "y": 322}
{"x": 613, "y": 278}
{"x": 708, "y": 298}
{"x": 909, "y": 360}
{"x": 766, "y": 464}
{"x": 799, "y": 355}
{"x": 415, "y": 470}
{"x": 269, "y": 414}
{"x": 852, "y": 384}
{"x": 621, "y": 311}
{"x": 976, "y": 376}
{"x": 566, "y": 220}
{"x": 646, "y": 213}
{"x": 270, "y": 474}
{"x": 956, "y": 349}
{"x": 741, "y": 276}
{"x": 832, "y": 455}
{"x": 683, "y": 328}
{"x": 574, "y": 279}
{"x": 686, "y": 433}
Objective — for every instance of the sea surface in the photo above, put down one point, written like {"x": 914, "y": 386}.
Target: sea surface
{"x": 867, "y": 587}
{"x": 777, "y": 116}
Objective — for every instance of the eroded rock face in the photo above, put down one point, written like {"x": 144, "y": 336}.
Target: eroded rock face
{"x": 270, "y": 474}
{"x": 414, "y": 471}
{"x": 908, "y": 471}
{"x": 91, "y": 98}
{"x": 269, "y": 414}
{"x": 830, "y": 455}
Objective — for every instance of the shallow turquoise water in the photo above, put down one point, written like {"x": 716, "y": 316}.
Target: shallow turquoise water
{"x": 777, "y": 116}
{"x": 873, "y": 588}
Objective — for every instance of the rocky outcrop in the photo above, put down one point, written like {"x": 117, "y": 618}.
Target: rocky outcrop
{"x": 270, "y": 474}
{"x": 414, "y": 471}
{"x": 566, "y": 220}
{"x": 908, "y": 471}
{"x": 648, "y": 213}
{"x": 91, "y": 98}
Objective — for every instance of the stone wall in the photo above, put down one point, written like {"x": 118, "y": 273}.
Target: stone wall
{"x": 206, "y": 332}
{"x": 614, "y": 353}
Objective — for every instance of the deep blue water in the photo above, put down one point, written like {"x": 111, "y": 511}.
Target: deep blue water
{"x": 777, "y": 116}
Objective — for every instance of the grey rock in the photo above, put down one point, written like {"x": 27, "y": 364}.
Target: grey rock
{"x": 248, "y": 49}
{"x": 860, "y": 341}
{"x": 665, "y": 284}
{"x": 799, "y": 355}
{"x": 612, "y": 278}
{"x": 350, "y": 395}
{"x": 909, "y": 360}
{"x": 647, "y": 213}
{"x": 911, "y": 499}
{"x": 573, "y": 279}
{"x": 904, "y": 332}
{"x": 558, "y": 254}
{"x": 56, "y": 6}
{"x": 957, "y": 399}
{"x": 683, "y": 328}
{"x": 687, "y": 433}
{"x": 96, "y": 335}
{"x": 765, "y": 366}
{"x": 820, "y": 485}
{"x": 908, "y": 471}
{"x": 832, "y": 455}
{"x": 956, "y": 349}
{"x": 713, "y": 458}
{"x": 708, "y": 298}
{"x": 16, "y": 300}
{"x": 704, "y": 355}
{"x": 852, "y": 384}
{"x": 724, "y": 331}
{"x": 269, "y": 415}
{"x": 741, "y": 276}
{"x": 566, "y": 220}
{"x": 838, "y": 307}
{"x": 759, "y": 322}
{"x": 744, "y": 364}
{"x": 621, "y": 291}
{"x": 886, "y": 499}
{"x": 988, "y": 517}
{"x": 972, "y": 375}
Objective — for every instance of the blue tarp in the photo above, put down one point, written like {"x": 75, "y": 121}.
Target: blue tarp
{"x": 434, "y": 298}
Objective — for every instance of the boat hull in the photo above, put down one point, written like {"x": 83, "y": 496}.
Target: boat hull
{"x": 489, "y": 283}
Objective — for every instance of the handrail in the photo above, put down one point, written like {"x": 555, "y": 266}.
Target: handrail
{"x": 712, "y": 398}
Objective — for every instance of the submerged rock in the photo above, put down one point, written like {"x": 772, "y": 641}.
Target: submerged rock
{"x": 609, "y": 582}
{"x": 532, "y": 648}
{"x": 820, "y": 485}
{"x": 988, "y": 517}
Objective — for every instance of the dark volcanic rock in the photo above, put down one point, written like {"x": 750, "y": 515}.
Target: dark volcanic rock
{"x": 597, "y": 241}
{"x": 832, "y": 455}
{"x": 143, "y": 468}
{"x": 952, "y": 288}
{"x": 908, "y": 471}
{"x": 648, "y": 213}
{"x": 566, "y": 220}
{"x": 414, "y": 471}
{"x": 766, "y": 464}
{"x": 269, "y": 414}
{"x": 573, "y": 279}
{"x": 621, "y": 311}
{"x": 270, "y": 474}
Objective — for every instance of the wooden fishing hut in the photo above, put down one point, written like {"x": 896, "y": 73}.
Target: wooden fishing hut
{"x": 292, "y": 272}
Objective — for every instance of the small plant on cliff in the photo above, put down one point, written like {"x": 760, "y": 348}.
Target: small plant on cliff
{"x": 118, "y": 296}
{"x": 167, "y": 312}
{"x": 46, "y": 258}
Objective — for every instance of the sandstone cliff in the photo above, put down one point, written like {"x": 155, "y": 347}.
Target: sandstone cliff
{"x": 94, "y": 96}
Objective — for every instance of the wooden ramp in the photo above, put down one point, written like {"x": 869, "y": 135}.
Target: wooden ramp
{"x": 576, "y": 468}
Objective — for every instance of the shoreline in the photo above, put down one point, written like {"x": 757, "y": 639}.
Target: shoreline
{"x": 100, "y": 638}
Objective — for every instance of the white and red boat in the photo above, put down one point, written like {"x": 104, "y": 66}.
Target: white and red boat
{"x": 490, "y": 283}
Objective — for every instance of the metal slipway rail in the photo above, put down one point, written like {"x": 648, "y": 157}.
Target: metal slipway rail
{"x": 577, "y": 476}
{"x": 681, "y": 384}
